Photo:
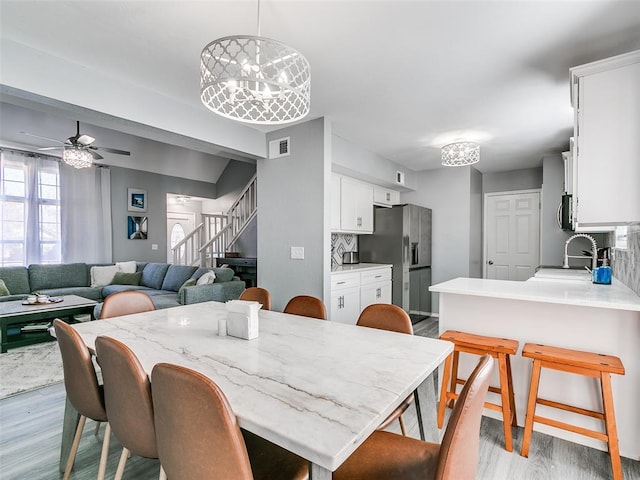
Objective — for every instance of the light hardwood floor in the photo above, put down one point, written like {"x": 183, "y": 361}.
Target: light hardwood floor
{"x": 31, "y": 425}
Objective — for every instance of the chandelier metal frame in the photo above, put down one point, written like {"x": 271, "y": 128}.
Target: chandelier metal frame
{"x": 460, "y": 154}
{"x": 77, "y": 157}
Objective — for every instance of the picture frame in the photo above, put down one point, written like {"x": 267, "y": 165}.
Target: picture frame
{"x": 137, "y": 227}
{"x": 136, "y": 200}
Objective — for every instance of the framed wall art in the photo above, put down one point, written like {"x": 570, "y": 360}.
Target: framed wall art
{"x": 137, "y": 228}
{"x": 136, "y": 200}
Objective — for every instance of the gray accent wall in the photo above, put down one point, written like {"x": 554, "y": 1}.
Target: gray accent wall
{"x": 452, "y": 194}
{"x": 294, "y": 210}
{"x": 552, "y": 237}
{"x": 231, "y": 182}
{"x": 475, "y": 224}
{"x": 523, "y": 179}
{"x": 157, "y": 187}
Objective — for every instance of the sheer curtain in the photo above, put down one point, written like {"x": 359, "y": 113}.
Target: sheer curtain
{"x": 86, "y": 214}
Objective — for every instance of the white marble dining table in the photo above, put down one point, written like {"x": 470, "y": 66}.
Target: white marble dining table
{"x": 317, "y": 388}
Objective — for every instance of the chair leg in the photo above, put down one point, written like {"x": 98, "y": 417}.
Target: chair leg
{"x": 102, "y": 469}
{"x": 443, "y": 389}
{"x": 531, "y": 407}
{"x": 506, "y": 402}
{"x": 610, "y": 424}
{"x": 403, "y": 426}
{"x": 74, "y": 447}
{"x": 163, "y": 476}
{"x": 512, "y": 399}
{"x": 454, "y": 376}
{"x": 121, "y": 463}
{"x": 97, "y": 429}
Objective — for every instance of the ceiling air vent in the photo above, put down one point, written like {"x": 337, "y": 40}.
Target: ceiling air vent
{"x": 279, "y": 147}
{"x": 400, "y": 177}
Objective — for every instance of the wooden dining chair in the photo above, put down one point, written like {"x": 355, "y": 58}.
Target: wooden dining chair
{"x": 126, "y": 303}
{"x": 385, "y": 316}
{"x": 306, "y": 306}
{"x": 83, "y": 390}
{"x": 199, "y": 437}
{"x": 385, "y": 455}
{"x": 257, "y": 294}
{"x": 127, "y": 395}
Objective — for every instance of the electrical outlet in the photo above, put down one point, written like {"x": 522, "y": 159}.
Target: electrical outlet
{"x": 297, "y": 253}
{"x": 154, "y": 246}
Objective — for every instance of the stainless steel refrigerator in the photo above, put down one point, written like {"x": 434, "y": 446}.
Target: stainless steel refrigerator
{"x": 402, "y": 237}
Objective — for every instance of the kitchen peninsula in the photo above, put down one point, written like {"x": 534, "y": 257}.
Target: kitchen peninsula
{"x": 573, "y": 314}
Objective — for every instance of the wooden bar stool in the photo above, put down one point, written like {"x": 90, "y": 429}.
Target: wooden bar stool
{"x": 582, "y": 363}
{"x": 499, "y": 348}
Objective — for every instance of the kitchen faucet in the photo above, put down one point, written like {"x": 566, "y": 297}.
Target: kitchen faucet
{"x": 594, "y": 256}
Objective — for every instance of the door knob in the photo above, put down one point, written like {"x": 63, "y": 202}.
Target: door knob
{"x": 490, "y": 262}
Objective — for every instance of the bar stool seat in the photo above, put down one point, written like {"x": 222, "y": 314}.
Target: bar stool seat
{"x": 590, "y": 364}
{"x": 499, "y": 348}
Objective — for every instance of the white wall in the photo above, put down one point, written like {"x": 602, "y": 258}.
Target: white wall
{"x": 448, "y": 193}
{"x": 293, "y": 210}
{"x": 552, "y": 237}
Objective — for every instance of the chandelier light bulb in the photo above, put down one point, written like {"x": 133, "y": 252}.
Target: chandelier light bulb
{"x": 77, "y": 157}
{"x": 460, "y": 154}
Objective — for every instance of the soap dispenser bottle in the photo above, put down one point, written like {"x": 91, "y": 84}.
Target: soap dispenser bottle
{"x": 602, "y": 275}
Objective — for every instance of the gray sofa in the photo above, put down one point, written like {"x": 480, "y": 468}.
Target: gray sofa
{"x": 161, "y": 281}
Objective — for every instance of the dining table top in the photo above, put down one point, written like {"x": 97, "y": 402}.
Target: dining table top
{"x": 315, "y": 387}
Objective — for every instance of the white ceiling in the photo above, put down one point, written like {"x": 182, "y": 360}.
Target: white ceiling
{"x": 400, "y": 78}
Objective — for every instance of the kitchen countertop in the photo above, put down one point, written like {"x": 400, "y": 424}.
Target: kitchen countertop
{"x": 358, "y": 267}
{"x": 615, "y": 296}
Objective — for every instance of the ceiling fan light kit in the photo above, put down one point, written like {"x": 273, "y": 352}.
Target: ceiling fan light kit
{"x": 255, "y": 79}
{"x": 459, "y": 154}
{"x": 77, "y": 157}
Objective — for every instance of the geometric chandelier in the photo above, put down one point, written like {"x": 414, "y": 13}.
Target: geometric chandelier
{"x": 460, "y": 154}
{"x": 255, "y": 79}
{"x": 77, "y": 157}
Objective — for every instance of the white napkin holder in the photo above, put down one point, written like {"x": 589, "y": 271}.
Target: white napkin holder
{"x": 242, "y": 319}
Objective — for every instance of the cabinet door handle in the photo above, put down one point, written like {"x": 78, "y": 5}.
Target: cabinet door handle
{"x": 378, "y": 276}
{"x": 359, "y": 221}
{"x": 340, "y": 283}
{"x": 341, "y": 301}
{"x": 388, "y": 197}
{"x": 378, "y": 292}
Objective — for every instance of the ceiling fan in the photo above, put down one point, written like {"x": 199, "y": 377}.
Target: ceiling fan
{"x": 78, "y": 150}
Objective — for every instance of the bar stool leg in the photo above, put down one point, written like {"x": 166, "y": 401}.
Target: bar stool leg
{"x": 506, "y": 402}
{"x": 443, "y": 390}
{"x": 610, "y": 424}
{"x": 512, "y": 398}
{"x": 454, "y": 376}
{"x": 531, "y": 407}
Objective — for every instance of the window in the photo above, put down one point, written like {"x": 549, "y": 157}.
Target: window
{"x": 29, "y": 210}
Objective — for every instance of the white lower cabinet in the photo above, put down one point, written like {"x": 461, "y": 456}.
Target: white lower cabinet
{"x": 352, "y": 291}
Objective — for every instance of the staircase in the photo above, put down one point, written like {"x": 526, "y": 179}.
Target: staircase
{"x": 217, "y": 233}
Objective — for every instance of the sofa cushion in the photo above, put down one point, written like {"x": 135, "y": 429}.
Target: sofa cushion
{"x": 42, "y": 277}
{"x": 86, "y": 292}
{"x": 122, "y": 278}
{"x": 153, "y": 275}
{"x": 127, "y": 267}
{"x": 207, "y": 277}
{"x": 176, "y": 275}
{"x": 16, "y": 279}
{"x": 101, "y": 276}
{"x": 222, "y": 274}
{"x": 109, "y": 289}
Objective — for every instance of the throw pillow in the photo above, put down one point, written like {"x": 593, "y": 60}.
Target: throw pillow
{"x": 101, "y": 276}
{"x": 122, "y": 278}
{"x": 3, "y": 288}
{"x": 208, "y": 277}
{"x": 127, "y": 267}
{"x": 189, "y": 283}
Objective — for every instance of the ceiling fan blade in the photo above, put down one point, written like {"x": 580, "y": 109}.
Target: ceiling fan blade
{"x": 50, "y": 148}
{"x": 112, "y": 150}
{"x": 40, "y": 136}
{"x": 96, "y": 155}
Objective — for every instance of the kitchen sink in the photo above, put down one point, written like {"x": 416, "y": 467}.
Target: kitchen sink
{"x": 559, "y": 273}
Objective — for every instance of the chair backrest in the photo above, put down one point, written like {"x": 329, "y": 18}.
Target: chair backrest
{"x": 385, "y": 316}
{"x": 257, "y": 294}
{"x": 459, "y": 451}
{"x": 80, "y": 380}
{"x": 127, "y": 395}
{"x": 306, "y": 306}
{"x": 197, "y": 432}
{"x": 126, "y": 303}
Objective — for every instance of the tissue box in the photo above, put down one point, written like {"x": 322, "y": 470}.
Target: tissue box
{"x": 242, "y": 319}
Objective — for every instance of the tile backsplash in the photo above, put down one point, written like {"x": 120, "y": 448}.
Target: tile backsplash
{"x": 626, "y": 264}
{"x": 340, "y": 243}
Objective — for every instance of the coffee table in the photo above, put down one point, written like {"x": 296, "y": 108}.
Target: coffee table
{"x": 15, "y": 314}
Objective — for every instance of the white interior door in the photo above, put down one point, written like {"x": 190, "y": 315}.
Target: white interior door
{"x": 179, "y": 225}
{"x": 512, "y": 235}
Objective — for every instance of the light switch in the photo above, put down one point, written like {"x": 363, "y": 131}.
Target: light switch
{"x": 154, "y": 246}
{"x": 297, "y": 253}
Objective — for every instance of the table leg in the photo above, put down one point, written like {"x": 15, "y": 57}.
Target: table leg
{"x": 69, "y": 425}
{"x": 316, "y": 472}
{"x": 426, "y": 409}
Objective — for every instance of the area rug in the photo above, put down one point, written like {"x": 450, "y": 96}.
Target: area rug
{"x": 26, "y": 368}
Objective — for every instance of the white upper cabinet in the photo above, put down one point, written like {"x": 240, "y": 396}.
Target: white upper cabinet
{"x": 355, "y": 200}
{"x": 606, "y": 99}
{"x": 385, "y": 196}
